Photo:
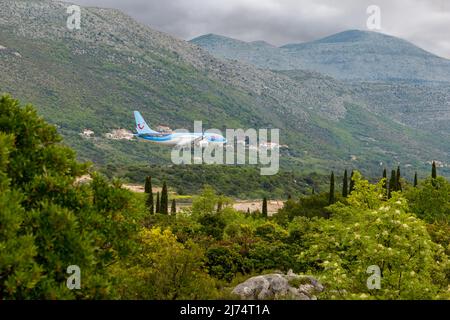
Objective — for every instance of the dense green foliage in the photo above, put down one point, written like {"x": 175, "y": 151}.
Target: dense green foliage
{"x": 371, "y": 231}
{"x": 164, "y": 268}
{"x": 430, "y": 200}
{"x": 48, "y": 221}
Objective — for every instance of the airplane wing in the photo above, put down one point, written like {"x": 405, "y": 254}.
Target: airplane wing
{"x": 189, "y": 141}
{"x": 185, "y": 142}
{"x": 196, "y": 140}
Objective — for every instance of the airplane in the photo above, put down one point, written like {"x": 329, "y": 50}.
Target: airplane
{"x": 177, "y": 139}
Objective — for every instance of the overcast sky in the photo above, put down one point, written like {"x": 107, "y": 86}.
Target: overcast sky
{"x": 423, "y": 22}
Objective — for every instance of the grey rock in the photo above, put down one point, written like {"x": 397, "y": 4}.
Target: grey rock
{"x": 279, "y": 286}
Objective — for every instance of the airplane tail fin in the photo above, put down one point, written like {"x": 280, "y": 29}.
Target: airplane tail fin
{"x": 141, "y": 126}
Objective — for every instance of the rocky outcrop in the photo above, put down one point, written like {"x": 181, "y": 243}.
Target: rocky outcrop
{"x": 279, "y": 286}
{"x": 120, "y": 134}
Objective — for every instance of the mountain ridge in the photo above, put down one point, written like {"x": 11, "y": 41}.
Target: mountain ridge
{"x": 347, "y": 55}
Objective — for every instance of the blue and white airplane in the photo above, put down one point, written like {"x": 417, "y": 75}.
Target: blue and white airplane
{"x": 178, "y": 139}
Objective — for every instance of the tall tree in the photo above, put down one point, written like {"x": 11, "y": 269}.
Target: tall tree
{"x": 173, "y": 208}
{"x": 157, "y": 203}
{"x": 264, "y": 208}
{"x": 345, "y": 185}
{"x": 148, "y": 184}
{"x": 392, "y": 183}
{"x": 149, "y": 190}
{"x": 433, "y": 170}
{"x": 149, "y": 203}
{"x": 164, "y": 205}
{"x": 398, "y": 182}
{"x": 416, "y": 182}
{"x": 352, "y": 184}
{"x": 385, "y": 178}
{"x": 332, "y": 198}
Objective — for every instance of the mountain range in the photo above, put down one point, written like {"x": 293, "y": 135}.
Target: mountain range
{"x": 349, "y": 55}
{"x": 335, "y": 106}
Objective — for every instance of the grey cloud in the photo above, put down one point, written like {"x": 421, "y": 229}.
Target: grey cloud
{"x": 423, "y": 22}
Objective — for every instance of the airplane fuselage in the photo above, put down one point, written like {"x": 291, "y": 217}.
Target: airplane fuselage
{"x": 180, "y": 139}
{"x": 144, "y": 132}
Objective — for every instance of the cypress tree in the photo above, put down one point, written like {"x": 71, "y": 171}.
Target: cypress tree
{"x": 264, "y": 208}
{"x": 148, "y": 189}
{"x": 352, "y": 184}
{"x": 393, "y": 180}
{"x": 345, "y": 185}
{"x": 398, "y": 186}
{"x": 392, "y": 183}
{"x": 164, "y": 205}
{"x": 332, "y": 195}
{"x": 173, "y": 209}
{"x": 433, "y": 170}
{"x": 385, "y": 178}
{"x": 415, "y": 180}
{"x": 148, "y": 184}
{"x": 157, "y": 203}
